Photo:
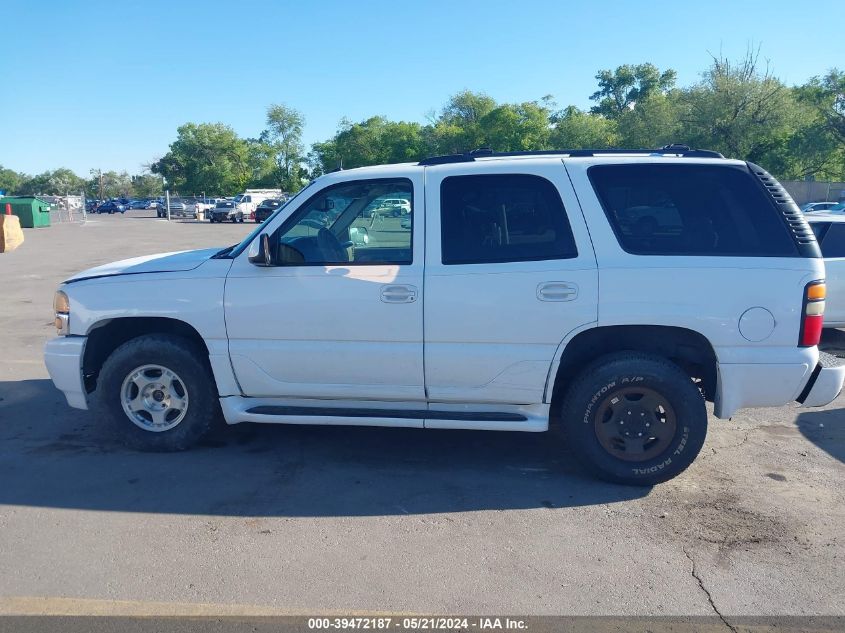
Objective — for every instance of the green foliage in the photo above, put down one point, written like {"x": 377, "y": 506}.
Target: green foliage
{"x": 371, "y": 142}
{"x": 10, "y": 181}
{"x": 283, "y": 137}
{"x": 146, "y": 186}
{"x": 108, "y": 184}
{"x": 574, "y": 128}
{"x": 206, "y": 157}
{"x": 622, "y": 89}
{"x": 827, "y": 96}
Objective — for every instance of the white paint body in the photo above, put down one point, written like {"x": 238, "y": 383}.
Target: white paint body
{"x": 834, "y": 313}
{"x": 476, "y": 338}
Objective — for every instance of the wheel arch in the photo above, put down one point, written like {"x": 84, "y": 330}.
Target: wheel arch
{"x": 107, "y": 335}
{"x": 688, "y": 349}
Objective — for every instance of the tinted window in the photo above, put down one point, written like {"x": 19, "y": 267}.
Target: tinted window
{"x": 350, "y": 223}
{"x": 833, "y": 242}
{"x": 507, "y": 218}
{"x": 690, "y": 210}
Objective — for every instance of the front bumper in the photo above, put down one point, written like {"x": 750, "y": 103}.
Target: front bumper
{"x": 825, "y": 383}
{"x": 63, "y": 357}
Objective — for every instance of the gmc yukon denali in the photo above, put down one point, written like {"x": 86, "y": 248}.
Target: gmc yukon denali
{"x": 608, "y": 293}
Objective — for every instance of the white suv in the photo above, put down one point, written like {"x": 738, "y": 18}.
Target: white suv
{"x": 609, "y": 293}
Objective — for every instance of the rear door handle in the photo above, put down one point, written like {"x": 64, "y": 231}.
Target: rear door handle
{"x": 557, "y": 291}
{"x": 398, "y": 294}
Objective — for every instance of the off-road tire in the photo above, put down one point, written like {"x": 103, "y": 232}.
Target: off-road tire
{"x": 593, "y": 391}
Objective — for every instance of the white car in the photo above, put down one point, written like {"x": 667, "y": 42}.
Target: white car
{"x": 815, "y": 207}
{"x": 830, "y": 233}
{"x": 521, "y": 296}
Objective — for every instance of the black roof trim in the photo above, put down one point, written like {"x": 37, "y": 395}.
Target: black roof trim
{"x": 673, "y": 150}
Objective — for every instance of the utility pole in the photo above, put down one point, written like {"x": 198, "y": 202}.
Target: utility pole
{"x": 167, "y": 202}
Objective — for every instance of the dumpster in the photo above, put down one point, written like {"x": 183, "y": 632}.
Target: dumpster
{"x": 33, "y": 212}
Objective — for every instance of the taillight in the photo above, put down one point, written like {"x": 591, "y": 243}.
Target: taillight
{"x": 812, "y": 318}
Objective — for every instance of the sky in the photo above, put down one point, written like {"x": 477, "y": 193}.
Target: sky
{"x": 104, "y": 85}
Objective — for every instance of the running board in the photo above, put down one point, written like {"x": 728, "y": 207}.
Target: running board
{"x": 347, "y": 413}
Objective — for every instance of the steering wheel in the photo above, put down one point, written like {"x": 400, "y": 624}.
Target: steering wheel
{"x": 331, "y": 248}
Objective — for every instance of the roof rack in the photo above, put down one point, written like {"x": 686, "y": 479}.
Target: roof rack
{"x": 667, "y": 150}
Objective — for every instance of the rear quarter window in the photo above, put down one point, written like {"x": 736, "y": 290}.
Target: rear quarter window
{"x": 690, "y": 210}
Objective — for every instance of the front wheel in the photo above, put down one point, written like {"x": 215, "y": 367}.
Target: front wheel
{"x": 635, "y": 419}
{"x": 156, "y": 394}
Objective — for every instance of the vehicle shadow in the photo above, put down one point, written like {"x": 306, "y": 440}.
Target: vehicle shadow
{"x": 54, "y": 456}
{"x": 824, "y": 428}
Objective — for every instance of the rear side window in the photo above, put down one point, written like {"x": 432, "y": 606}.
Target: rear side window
{"x": 831, "y": 237}
{"x": 690, "y": 210}
{"x": 503, "y": 218}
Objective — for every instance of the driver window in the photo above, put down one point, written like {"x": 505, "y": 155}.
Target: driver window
{"x": 360, "y": 222}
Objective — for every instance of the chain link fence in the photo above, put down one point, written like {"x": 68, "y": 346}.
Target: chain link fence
{"x": 69, "y": 208}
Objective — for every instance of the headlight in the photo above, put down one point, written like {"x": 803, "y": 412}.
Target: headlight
{"x": 61, "y": 305}
{"x": 61, "y": 302}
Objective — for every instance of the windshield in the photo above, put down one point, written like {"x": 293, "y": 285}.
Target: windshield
{"x": 239, "y": 197}
{"x": 237, "y": 249}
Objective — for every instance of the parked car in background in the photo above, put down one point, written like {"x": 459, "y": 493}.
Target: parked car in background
{"x": 830, "y": 233}
{"x": 177, "y": 208}
{"x": 111, "y": 207}
{"x": 137, "y": 204}
{"x": 247, "y": 201}
{"x": 836, "y": 209}
{"x": 205, "y": 204}
{"x": 813, "y": 207}
{"x": 397, "y": 206}
{"x": 151, "y": 204}
{"x": 226, "y": 210}
{"x": 266, "y": 209}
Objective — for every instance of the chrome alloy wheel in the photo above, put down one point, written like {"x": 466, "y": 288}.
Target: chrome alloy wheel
{"x": 154, "y": 398}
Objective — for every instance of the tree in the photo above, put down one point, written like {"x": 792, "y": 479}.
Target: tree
{"x": 620, "y": 90}
{"x": 57, "y": 182}
{"x": 738, "y": 109}
{"x": 827, "y": 96}
{"x": 515, "y": 127}
{"x": 458, "y": 128}
{"x": 284, "y": 137}
{"x": 11, "y": 181}
{"x": 108, "y": 184}
{"x": 146, "y": 186}
{"x": 372, "y": 142}
{"x": 575, "y": 129}
{"x": 206, "y": 157}
{"x": 654, "y": 122}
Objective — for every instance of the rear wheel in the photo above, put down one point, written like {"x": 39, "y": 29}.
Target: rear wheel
{"x": 635, "y": 419}
{"x": 156, "y": 394}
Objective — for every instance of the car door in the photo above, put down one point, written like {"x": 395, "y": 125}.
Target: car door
{"x": 510, "y": 271}
{"x": 341, "y": 317}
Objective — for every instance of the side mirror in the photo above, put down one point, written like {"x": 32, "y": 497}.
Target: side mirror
{"x": 262, "y": 255}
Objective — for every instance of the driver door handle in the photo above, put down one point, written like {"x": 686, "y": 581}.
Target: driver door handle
{"x": 398, "y": 294}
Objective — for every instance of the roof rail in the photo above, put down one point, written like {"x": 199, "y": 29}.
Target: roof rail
{"x": 667, "y": 150}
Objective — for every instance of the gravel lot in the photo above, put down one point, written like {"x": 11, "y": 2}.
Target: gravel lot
{"x": 314, "y": 520}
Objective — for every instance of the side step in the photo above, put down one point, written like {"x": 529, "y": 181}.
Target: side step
{"x": 497, "y": 417}
{"x": 409, "y": 414}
